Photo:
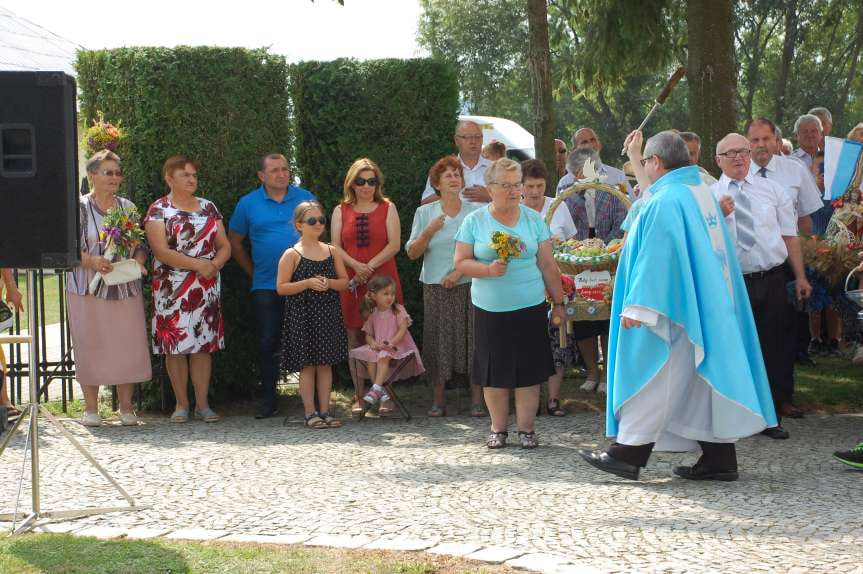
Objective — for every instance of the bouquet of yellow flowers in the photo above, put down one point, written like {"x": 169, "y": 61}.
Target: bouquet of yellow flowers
{"x": 506, "y": 245}
{"x": 103, "y": 135}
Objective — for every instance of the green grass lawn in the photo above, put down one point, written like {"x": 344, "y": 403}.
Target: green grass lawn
{"x": 52, "y": 301}
{"x": 66, "y": 554}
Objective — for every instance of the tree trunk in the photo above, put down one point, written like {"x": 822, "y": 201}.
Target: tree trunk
{"x": 538, "y": 63}
{"x": 711, "y": 74}
{"x": 789, "y": 45}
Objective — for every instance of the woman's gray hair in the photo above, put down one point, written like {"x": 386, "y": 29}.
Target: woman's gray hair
{"x": 95, "y": 162}
{"x": 579, "y": 156}
{"x": 805, "y": 119}
{"x": 669, "y": 147}
{"x": 822, "y": 113}
{"x": 499, "y": 167}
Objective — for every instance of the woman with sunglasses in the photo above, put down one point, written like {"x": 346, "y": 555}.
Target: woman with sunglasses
{"x": 109, "y": 332}
{"x": 366, "y": 226}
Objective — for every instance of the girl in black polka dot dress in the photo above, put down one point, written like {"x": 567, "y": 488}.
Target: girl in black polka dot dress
{"x": 311, "y": 273}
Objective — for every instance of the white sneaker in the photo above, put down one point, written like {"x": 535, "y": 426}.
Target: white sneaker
{"x": 858, "y": 356}
{"x": 602, "y": 388}
{"x": 91, "y": 420}
{"x": 128, "y": 419}
{"x": 588, "y": 386}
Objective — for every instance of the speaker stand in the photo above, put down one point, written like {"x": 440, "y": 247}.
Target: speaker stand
{"x": 30, "y": 520}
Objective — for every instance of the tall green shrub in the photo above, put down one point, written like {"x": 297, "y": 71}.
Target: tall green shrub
{"x": 399, "y": 113}
{"x": 222, "y": 106}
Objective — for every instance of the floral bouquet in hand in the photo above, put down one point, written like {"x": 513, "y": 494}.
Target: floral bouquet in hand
{"x": 121, "y": 235}
{"x": 506, "y": 245}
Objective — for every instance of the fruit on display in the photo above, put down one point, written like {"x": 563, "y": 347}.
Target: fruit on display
{"x": 588, "y": 251}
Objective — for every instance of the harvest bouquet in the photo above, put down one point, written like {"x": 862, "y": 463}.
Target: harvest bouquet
{"x": 102, "y": 135}
{"x": 506, "y": 246}
{"x": 121, "y": 234}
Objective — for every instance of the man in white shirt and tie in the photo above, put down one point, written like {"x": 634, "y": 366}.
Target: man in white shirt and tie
{"x": 468, "y": 141}
{"x": 763, "y": 226}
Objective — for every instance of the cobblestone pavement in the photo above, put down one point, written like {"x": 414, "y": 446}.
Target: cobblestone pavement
{"x": 793, "y": 510}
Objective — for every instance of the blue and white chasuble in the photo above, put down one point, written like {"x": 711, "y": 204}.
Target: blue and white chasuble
{"x": 694, "y": 370}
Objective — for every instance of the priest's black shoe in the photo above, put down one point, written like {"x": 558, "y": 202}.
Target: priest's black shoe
{"x": 606, "y": 463}
{"x": 701, "y": 472}
{"x": 776, "y": 432}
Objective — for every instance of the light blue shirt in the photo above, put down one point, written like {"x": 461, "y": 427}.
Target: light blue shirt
{"x": 440, "y": 251}
{"x": 522, "y": 285}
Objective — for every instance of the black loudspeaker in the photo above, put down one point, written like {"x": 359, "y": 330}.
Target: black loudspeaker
{"x": 39, "y": 225}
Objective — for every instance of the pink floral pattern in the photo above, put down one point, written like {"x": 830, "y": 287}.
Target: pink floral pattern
{"x": 187, "y": 314}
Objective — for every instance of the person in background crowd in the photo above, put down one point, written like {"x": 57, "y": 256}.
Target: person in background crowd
{"x": 763, "y": 229}
{"x": 366, "y": 226}
{"x": 310, "y": 276}
{"x": 264, "y": 215}
{"x": 533, "y": 175}
{"x": 448, "y": 331}
{"x": 587, "y": 138}
{"x": 826, "y": 118}
{"x": 856, "y": 133}
{"x": 560, "y": 156}
{"x": 511, "y": 351}
{"x": 108, "y": 327}
{"x": 684, "y": 366}
{"x": 785, "y": 148}
{"x": 190, "y": 247}
{"x": 468, "y": 141}
{"x": 13, "y": 298}
{"x": 494, "y": 151}
{"x": 810, "y": 137}
{"x": 693, "y": 144}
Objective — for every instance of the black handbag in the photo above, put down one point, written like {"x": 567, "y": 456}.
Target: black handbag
{"x": 6, "y": 316}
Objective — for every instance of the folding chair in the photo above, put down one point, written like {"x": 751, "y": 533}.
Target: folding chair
{"x": 396, "y": 368}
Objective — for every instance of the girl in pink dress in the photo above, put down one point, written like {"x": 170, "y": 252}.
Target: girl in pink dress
{"x": 387, "y": 338}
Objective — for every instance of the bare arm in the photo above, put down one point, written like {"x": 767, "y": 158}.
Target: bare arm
{"x": 287, "y": 265}
{"x": 632, "y": 145}
{"x": 341, "y": 283}
{"x": 223, "y": 246}
{"x": 804, "y": 225}
{"x": 158, "y": 241}
{"x": 394, "y": 237}
{"x": 430, "y": 199}
{"x": 551, "y": 277}
{"x": 13, "y": 295}
{"x": 400, "y": 333}
{"x": 795, "y": 260}
{"x": 467, "y": 265}
{"x": 238, "y": 251}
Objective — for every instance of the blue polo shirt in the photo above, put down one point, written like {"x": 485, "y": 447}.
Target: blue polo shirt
{"x": 270, "y": 228}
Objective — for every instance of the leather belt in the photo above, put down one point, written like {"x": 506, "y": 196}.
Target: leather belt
{"x": 763, "y": 274}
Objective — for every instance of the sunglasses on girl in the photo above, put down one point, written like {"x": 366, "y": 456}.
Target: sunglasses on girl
{"x": 361, "y": 181}
{"x": 313, "y": 220}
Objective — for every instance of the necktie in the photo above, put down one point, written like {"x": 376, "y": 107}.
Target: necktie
{"x": 762, "y": 172}
{"x": 743, "y": 217}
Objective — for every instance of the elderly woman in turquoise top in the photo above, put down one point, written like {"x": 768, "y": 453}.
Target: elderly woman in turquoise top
{"x": 511, "y": 350}
{"x": 448, "y": 329}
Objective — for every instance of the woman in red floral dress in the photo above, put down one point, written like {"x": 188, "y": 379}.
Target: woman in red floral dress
{"x": 188, "y": 240}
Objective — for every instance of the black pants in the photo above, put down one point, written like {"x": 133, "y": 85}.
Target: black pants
{"x": 269, "y": 309}
{"x": 717, "y": 456}
{"x": 774, "y": 320}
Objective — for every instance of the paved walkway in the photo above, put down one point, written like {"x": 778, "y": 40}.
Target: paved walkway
{"x": 431, "y": 481}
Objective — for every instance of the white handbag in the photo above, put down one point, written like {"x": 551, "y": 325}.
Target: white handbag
{"x": 124, "y": 271}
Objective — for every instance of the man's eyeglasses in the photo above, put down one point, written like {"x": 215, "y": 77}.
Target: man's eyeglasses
{"x": 645, "y": 160}
{"x": 472, "y": 138}
{"x": 111, "y": 173}
{"x": 315, "y": 220}
{"x": 733, "y": 153}
{"x": 509, "y": 186}
{"x": 361, "y": 181}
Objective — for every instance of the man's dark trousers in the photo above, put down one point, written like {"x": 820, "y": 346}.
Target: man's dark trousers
{"x": 269, "y": 312}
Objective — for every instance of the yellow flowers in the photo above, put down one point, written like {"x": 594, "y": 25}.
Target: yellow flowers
{"x": 506, "y": 245}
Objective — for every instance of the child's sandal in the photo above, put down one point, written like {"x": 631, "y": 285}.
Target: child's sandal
{"x": 314, "y": 421}
{"x": 330, "y": 421}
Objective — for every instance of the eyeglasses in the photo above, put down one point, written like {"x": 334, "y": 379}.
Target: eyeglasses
{"x": 733, "y": 153}
{"x": 509, "y": 186}
{"x": 111, "y": 173}
{"x": 472, "y": 138}
{"x": 361, "y": 181}
{"x": 315, "y": 220}
{"x": 561, "y": 151}
{"x": 645, "y": 160}
{"x": 361, "y": 228}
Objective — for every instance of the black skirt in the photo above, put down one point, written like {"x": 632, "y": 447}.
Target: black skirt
{"x": 511, "y": 348}
{"x": 589, "y": 329}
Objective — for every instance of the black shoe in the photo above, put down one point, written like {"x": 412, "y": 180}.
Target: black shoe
{"x": 816, "y": 347}
{"x": 700, "y": 472}
{"x": 833, "y": 349}
{"x": 265, "y": 414}
{"x": 805, "y": 360}
{"x": 776, "y": 432}
{"x": 606, "y": 463}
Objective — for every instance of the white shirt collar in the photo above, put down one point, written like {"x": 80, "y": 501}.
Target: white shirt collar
{"x": 724, "y": 180}
{"x": 481, "y": 163}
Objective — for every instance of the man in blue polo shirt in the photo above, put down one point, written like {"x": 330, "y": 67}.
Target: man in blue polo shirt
{"x": 265, "y": 216}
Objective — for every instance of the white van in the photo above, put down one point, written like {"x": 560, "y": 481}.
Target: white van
{"x": 518, "y": 141}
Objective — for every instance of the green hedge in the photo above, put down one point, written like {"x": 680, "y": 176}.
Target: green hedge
{"x": 399, "y": 113}
{"x": 222, "y": 106}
